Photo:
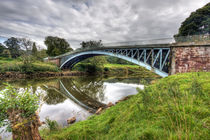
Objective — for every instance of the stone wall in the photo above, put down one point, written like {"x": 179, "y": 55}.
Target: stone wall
{"x": 190, "y": 58}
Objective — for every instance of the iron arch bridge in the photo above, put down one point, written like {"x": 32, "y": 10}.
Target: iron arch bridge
{"x": 152, "y": 57}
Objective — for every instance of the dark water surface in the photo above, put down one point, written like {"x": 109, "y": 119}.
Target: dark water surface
{"x": 63, "y": 98}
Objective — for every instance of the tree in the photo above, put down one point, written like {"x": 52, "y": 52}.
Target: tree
{"x": 56, "y": 46}
{"x": 18, "y": 113}
{"x": 41, "y": 54}
{"x": 18, "y": 46}
{"x": 13, "y": 46}
{"x": 97, "y": 61}
{"x": 2, "y": 47}
{"x": 25, "y": 45}
{"x": 91, "y": 44}
{"x": 34, "y": 50}
{"x": 197, "y": 23}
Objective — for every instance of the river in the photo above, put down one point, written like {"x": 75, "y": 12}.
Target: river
{"x": 66, "y": 97}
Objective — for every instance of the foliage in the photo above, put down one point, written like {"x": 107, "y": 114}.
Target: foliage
{"x": 89, "y": 68}
{"x": 6, "y": 53}
{"x": 41, "y": 54}
{"x": 34, "y": 50}
{"x": 92, "y": 65}
{"x": 12, "y": 99}
{"x": 27, "y": 63}
{"x": 56, "y": 46}
{"x": 2, "y": 47}
{"x": 91, "y": 44}
{"x": 25, "y": 45}
{"x": 97, "y": 61}
{"x": 197, "y": 23}
{"x": 115, "y": 60}
{"x": 18, "y": 46}
{"x": 172, "y": 108}
{"x": 13, "y": 46}
{"x": 52, "y": 125}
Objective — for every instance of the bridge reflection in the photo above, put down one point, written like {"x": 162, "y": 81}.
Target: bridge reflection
{"x": 85, "y": 92}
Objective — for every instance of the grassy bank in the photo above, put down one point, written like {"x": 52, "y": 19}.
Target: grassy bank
{"x": 116, "y": 70}
{"x": 176, "y": 107}
{"x": 16, "y": 65}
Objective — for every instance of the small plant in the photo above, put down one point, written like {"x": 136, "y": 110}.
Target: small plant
{"x": 18, "y": 112}
{"x": 52, "y": 124}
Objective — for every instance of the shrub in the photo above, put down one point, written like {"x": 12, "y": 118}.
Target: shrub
{"x": 18, "y": 112}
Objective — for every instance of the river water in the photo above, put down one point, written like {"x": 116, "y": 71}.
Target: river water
{"x": 63, "y": 98}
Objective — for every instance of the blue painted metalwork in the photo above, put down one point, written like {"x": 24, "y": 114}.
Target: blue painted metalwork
{"x": 154, "y": 59}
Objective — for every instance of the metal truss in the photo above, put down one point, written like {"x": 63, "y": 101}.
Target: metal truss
{"x": 155, "y": 57}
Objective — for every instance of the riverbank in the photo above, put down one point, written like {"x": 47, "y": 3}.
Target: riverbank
{"x": 19, "y": 75}
{"x": 116, "y": 70}
{"x": 131, "y": 70}
{"x": 17, "y": 65}
{"x": 14, "y": 68}
{"x": 175, "y": 107}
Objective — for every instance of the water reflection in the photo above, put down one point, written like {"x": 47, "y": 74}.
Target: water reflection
{"x": 64, "y": 98}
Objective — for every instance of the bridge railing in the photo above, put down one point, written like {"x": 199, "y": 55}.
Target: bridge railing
{"x": 141, "y": 42}
{"x": 193, "y": 38}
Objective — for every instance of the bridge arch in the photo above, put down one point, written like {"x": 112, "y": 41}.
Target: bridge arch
{"x": 71, "y": 60}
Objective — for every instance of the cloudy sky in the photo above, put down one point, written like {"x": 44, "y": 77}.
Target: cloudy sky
{"x": 82, "y": 20}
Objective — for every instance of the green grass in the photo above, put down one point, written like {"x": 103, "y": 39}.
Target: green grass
{"x": 175, "y": 107}
{"x": 131, "y": 70}
{"x": 120, "y": 66}
{"x": 15, "y": 65}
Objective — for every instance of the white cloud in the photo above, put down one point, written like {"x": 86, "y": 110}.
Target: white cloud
{"x": 108, "y": 20}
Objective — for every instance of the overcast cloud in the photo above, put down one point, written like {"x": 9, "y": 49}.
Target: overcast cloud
{"x": 82, "y": 20}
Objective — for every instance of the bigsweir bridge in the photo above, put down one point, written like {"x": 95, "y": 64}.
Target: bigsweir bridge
{"x": 163, "y": 59}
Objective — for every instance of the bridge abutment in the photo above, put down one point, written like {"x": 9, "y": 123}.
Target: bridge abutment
{"x": 190, "y": 58}
{"x": 53, "y": 60}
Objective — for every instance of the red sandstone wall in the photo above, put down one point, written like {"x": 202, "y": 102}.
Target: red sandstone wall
{"x": 188, "y": 59}
{"x": 55, "y": 61}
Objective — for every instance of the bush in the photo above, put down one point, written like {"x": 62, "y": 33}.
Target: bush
{"x": 17, "y": 109}
{"x": 27, "y": 68}
{"x": 89, "y": 68}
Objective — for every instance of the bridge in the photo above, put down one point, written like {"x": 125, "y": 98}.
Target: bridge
{"x": 163, "y": 59}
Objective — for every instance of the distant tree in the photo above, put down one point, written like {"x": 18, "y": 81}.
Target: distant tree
{"x": 2, "y": 47}
{"x": 97, "y": 61}
{"x": 91, "y": 44}
{"x": 13, "y": 46}
{"x": 197, "y": 23}
{"x": 34, "y": 50}
{"x": 18, "y": 46}
{"x": 56, "y": 46}
{"x": 25, "y": 45}
{"x": 41, "y": 54}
